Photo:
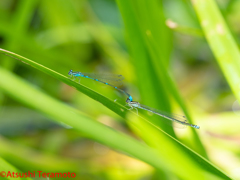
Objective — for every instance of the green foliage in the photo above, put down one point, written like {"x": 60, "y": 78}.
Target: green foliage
{"x": 87, "y": 36}
{"x": 67, "y": 115}
{"x": 8, "y": 169}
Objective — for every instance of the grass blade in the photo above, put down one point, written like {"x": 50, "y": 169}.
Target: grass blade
{"x": 159, "y": 158}
{"x": 151, "y": 50}
{"x": 6, "y": 167}
{"x": 221, "y": 41}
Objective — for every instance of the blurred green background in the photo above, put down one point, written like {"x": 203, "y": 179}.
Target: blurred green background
{"x": 160, "y": 49}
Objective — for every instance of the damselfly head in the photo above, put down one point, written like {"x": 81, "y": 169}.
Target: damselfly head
{"x": 129, "y": 99}
{"x": 197, "y": 127}
{"x": 70, "y": 72}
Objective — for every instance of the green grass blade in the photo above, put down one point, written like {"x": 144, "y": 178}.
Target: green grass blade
{"x": 221, "y": 42}
{"x": 159, "y": 158}
{"x": 150, "y": 86}
{"x": 105, "y": 101}
{"x": 65, "y": 114}
{"x": 151, "y": 50}
{"x": 8, "y": 168}
{"x": 92, "y": 129}
{"x": 20, "y": 23}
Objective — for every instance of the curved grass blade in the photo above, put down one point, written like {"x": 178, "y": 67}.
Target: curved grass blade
{"x": 159, "y": 158}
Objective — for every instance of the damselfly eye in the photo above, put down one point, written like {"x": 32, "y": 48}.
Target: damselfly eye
{"x": 70, "y": 72}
